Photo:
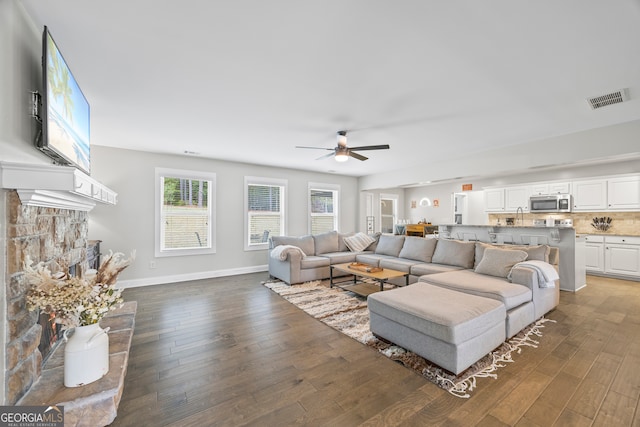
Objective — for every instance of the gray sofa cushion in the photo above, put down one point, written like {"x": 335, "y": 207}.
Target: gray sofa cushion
{"x": 342, "y": 247}
{"x": 499, "y": 262}
{"x": 376, "y": 236}
{"x": 418, "y": 248}
{"x": 536, "y": 252}
{"x": 314, "y": 262}
{"x": 454, "y": 252}
{"x": 428, "y": 309}
{"x": 326, "y": 242}
{"x": 305, "y": 243}
{"x": 372, "y": 259}
{"x": 340, "y": 257}
{"x": 398, "y": 264}
{"x": 467, "y": 281}
{"x": 431, "y": 268}
{"x": 390, "y": 245}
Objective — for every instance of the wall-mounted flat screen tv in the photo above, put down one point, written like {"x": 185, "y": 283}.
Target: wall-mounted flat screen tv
{"x": 65, "y": 122}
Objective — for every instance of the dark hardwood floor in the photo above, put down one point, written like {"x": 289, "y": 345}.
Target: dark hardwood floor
{"x": 228, "y": 352}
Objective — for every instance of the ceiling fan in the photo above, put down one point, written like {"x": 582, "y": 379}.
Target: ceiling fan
{"x": 342, "y": 152}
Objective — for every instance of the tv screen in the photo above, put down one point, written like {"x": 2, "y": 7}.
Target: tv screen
{"x": 65, "y": 125}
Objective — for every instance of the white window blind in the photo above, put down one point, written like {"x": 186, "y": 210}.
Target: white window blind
{"x": 323, "y": 208}
{"x": 265, "y": 202}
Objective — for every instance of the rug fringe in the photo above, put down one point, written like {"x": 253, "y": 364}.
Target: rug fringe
{"x": 515, "y": 344}
{"x": 460, "y": 386}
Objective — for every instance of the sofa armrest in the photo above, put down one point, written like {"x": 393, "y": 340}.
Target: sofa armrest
{"x": 544, "y": 299}
{"x": 287, "y": 270}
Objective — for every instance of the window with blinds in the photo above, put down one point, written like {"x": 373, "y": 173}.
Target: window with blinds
{"x": 184, "y": 212}
{"x": 265, "y": 203}
{"x": 323, "y": 208}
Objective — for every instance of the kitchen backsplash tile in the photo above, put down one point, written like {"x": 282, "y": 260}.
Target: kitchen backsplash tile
{"x": 622, "y": 223}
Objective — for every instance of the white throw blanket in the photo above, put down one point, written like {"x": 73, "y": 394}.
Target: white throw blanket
{"x": 547, "y": 275}
{"x": 281, "y": 252}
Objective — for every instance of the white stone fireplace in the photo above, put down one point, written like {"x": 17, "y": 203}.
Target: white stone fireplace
{"x": 44, "y": 215}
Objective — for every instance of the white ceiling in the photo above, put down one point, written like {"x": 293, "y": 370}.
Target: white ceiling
{"x": 248, "y": 80}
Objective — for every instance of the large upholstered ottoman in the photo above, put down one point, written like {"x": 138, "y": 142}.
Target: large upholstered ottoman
{"x": 451, "y": 329}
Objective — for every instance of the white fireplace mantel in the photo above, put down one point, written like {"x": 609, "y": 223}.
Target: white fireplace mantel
{"x": 50, "y": 186}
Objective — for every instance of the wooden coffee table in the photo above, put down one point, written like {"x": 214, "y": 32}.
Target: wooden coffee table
{"x": 358, "y": 286}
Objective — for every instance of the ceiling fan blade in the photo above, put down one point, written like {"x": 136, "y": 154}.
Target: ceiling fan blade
{"x": 370, "y": 147}
{"x": 357, "y": 156}
{"x": 316, "y": 148}
{"x": 326, "y": 156}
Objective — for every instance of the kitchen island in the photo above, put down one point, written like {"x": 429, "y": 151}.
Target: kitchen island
{"x": 571, "y": 248}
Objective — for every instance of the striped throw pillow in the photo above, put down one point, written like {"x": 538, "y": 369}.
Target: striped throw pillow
{"x": 358, "y": 242}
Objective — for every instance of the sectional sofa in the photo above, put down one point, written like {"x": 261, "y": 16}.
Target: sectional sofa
{"x": 464, "y": 300}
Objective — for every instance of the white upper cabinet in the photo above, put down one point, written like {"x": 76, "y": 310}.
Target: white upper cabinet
{"x": 590, "y": 195}
{"x": 544, "y": 188}
{"x": 560, "y": 188}
{"x": 624, "y": 193}
{"x": 494, "y": 200}
{"x": 517, "y": 197}
{"x": 606, "y": 193}
{"x": 540, "y": 189}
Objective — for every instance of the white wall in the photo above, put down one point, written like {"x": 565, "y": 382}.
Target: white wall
{"x": 130, "y": 224}
{"x": 606, "y": 142}
{"x": 20, "y": 73}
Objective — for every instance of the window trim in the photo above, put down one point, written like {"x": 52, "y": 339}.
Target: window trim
{"x": 159, "y": 194}
{"x": 254, "y": 180}
{"x": 335, "y": 188}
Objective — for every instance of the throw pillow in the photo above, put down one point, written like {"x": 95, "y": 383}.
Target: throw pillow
{"x": 536, "y": 252}
{"x": 499, "y": 262}
{"x": 454, "y": 252}
{"x": 418, "y": 248}
{"x": 358, "y": 242}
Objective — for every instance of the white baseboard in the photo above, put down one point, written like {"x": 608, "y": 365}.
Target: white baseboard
{"x": 148, "y": 281}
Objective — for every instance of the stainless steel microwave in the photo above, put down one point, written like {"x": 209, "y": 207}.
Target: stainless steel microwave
{"x": 550, "y": 203}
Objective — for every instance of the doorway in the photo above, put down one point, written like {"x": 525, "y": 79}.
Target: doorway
{"x": 460, "y": 213}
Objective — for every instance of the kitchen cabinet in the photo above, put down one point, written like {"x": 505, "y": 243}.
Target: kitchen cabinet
{"x": 590, "y": 195}
{"x": 517, "y": 197}
{"x": 507, "y": 199}
{"x": 623, "y": 193}
{"x": 594, "y": 253}
{"x": 544, "y": 188}
{"x": 622, "y": 255}
{"x": 494, "y": 200}
{"x": 560, "y": 188}
{"x": 539, "y": 189}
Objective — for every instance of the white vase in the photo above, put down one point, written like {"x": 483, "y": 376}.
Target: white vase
{"x": 86, "y": 355}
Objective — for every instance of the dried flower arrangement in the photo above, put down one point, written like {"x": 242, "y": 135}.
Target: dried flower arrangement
{"x": 76, "y": 301}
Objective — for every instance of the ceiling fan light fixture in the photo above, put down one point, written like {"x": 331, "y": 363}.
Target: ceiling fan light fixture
{"x": 342, "y": 156}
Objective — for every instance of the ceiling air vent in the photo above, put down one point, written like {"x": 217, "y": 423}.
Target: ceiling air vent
{"x": 608, "y": 99}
